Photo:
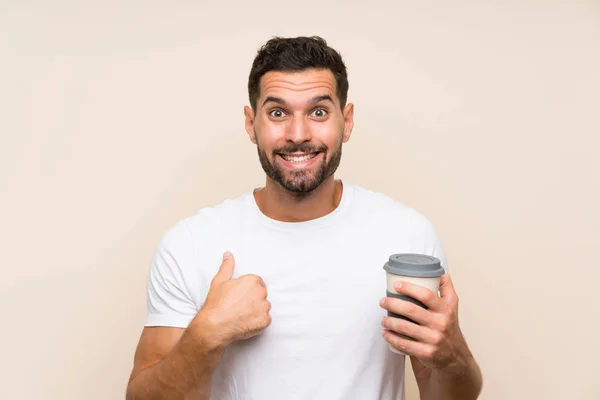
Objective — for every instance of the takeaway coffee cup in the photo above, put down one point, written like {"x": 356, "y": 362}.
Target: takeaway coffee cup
{"x": 419, "y": 269}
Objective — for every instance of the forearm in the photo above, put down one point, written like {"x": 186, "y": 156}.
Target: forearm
{"x": 186, "y": 373}
{"x": 456, "y": 383}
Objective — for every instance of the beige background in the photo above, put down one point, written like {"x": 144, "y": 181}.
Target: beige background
{"x": 120, "y": 118}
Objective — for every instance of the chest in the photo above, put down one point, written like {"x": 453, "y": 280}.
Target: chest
{"x": 325, "y": 293}
{"x": 320, "y": 288}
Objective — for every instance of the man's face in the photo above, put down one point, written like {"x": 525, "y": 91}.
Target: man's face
{"x": 299, "y": 127}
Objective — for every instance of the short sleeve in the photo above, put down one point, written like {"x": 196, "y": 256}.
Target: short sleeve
{"x": 425, "y": 239}
{"x": 169, "y": 301}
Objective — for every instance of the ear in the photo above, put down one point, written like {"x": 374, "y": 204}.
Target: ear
{"x": 348, "y": 121}
{"x": 249, "y": 114}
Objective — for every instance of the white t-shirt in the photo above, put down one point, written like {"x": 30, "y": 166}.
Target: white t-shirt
{"x": 324, "y": 278}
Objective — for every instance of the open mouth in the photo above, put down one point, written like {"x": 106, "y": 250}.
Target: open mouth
{"x": 299, "y": 157}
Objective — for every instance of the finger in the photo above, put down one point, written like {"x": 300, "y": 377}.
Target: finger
{"x": 226, "y": 270}
{"x": 418, "y": 332}
{"x": 261, "y": 282}
{"x": 447, "y": 291}
{"x": 269, "y": 305}
{"x": 407, "y": 309}
{"x": 407, "y": 346}
{"x": 426, "y": 296}
{"x": 254, "y": 279}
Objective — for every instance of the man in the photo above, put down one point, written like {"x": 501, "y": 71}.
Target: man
{"x": 276, "y": 294}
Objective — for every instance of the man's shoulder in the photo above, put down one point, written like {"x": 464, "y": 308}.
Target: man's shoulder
{"x": 228, "y": 208}
{"x": 382, "y": 204}
{"x": 211, "y": 220}
{"x": 379, "y": 202}
{"x": 393, "y": 216}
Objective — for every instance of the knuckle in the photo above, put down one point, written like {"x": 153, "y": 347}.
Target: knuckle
{"x": 399, "y": 344}
{"x": 443, "y": 326}
{"x": 262, "y": 292}
{"x": 410, "y": 308}
{"x": 431, "y": 296}
{"x": 430, "y": 353}
{"x": 389, "y": 323}
{"x": 267, "y": 320}
{"x": 398, "y": 325}
{"x": 254, "y": 280}
{"x": 412, "y": 329}
{"x": 260, "y": 281}
{"x": 437, "y": 338}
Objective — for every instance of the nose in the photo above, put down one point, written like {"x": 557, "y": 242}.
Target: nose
{"x": 298, "y": 131}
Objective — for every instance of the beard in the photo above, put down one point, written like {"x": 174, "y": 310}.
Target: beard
{"x": 303, "y": 181}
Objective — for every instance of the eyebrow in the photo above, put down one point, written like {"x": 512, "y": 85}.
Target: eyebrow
{"x": 274, "y": 100}
{"x": 314, "y": 100}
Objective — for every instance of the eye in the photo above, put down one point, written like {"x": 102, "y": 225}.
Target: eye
{"x": 319, "y": 113}
{"x": 276, "y": 113}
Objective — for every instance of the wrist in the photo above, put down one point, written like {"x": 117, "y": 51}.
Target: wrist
{"x": 461, "y": 381}
{"x": 462, "y": 363}
{"x": 208, "y": 333}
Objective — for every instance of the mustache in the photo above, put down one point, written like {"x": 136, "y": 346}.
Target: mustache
{"x": 302, "y": 148}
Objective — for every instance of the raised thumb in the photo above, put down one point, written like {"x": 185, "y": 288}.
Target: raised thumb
{"x": 226, "y": 270}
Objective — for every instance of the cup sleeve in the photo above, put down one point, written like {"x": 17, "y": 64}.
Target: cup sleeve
{"x": 169, "y": 299}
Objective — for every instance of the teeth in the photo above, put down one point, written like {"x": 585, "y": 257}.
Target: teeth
{"x": 298, "y": 158}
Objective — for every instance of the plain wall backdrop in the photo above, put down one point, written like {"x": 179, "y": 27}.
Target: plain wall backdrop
{"x": 118, "y": 118}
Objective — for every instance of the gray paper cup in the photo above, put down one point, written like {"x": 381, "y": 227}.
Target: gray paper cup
{"x": 419, "y": 269}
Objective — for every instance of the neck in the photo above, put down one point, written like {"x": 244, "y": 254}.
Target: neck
{"x": 280, "y": 204}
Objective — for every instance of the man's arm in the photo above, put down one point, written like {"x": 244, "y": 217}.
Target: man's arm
{"x": 173, "y": 363}
{"x": 176, "y": 363}
{"x": 461, "y": 381}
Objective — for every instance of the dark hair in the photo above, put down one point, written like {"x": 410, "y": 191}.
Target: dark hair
{"x": 297, "y": 54}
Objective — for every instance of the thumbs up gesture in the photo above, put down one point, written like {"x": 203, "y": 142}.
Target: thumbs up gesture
{"x": 235, "y": 309}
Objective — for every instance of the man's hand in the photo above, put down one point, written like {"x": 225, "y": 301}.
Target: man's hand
{"x": 438, "y": 343}
{"x": 175, "y": 363}
{"x": 235, "y": 309}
